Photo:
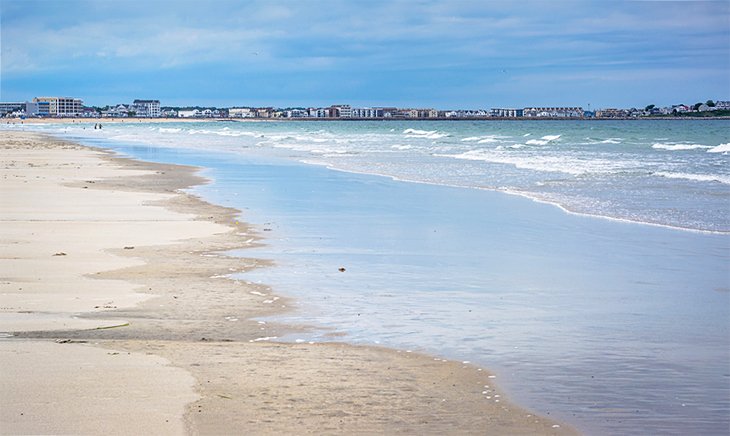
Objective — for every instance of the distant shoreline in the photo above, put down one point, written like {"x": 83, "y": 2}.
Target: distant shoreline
{"x": 102, "y": 121}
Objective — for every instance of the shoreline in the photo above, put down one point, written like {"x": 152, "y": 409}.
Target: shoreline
{"x": 192, "y": 315}
{"x": 130, "y": 120}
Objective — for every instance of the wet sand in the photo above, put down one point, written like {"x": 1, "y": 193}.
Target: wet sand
{"x": 118, "y": 317}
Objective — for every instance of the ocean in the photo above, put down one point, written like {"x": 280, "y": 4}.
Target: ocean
{"x": 587, "y": 263}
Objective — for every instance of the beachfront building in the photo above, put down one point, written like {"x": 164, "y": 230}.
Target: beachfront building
{"x": 553, "y": 112}
{"x": 420, "y": 113}
{"x": 296, "y": 113}
{"x": 343, "y": 111}
{"x": 506, "y": 112}
{"x": 6, "y": 108}
{"x": 722, "y": 105}
{"x": 241, "y": 112}
{"x": 387, "y": 112}
{"x": 118, "y": 111}
{"x": 146, "y": 108}
{"x": 612, "y": 113}
{"x": 318, "y": 112}
{"x": 364, "y": 112}
{"x": 479, "y": 113}
{"x": 340, "y": 111}
{"x": 61, "y": 106}
{"x": 264, "y": 112}
{"x": 195, "y": 113}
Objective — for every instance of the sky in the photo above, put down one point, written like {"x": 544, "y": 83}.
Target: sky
{"x": 406, "y": 53}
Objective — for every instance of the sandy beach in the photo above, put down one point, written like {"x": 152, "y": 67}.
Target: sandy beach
{"x": 117, "y": 317}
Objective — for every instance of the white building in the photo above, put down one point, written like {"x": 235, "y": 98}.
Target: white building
{"x": 364, "y": 112}
{"x": 118, "y": 111}
{"x": 319, "y": 113}
{"x": 296, "y": 113}
{"x": 553, "y": 112}
{"x": 241, "y": 112}
{"x": 6, "y": 108}
{"x": 146, "y": 108}
{"x": 195, "y": 113}
{"x": 61, "y": 106}
{"x": 342, "y": 111}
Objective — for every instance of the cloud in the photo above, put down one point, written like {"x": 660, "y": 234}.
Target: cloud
{"x": 430, "y": 41}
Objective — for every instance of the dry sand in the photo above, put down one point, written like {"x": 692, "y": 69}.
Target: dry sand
{"x": 113, "y": 286}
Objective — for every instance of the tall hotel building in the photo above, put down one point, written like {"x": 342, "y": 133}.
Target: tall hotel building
{"x": 61, "y": 106}
{"x": 147, "y": 108}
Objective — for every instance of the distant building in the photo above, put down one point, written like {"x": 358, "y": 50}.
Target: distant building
{"x": 364, "y": 112}
{"x": 612, "y": 113}
{"x": 722, "y": 105}
{"x": 89, "y": 112}
{"x": 146, "y": 108}
{"x": 296, "y": 113}
{"x": 6, "y": 108}
{"x": 419, "y": 113}
{"x": 118, "y": 111}
{"x": 410, "y": 113}
{"x": 264, "y": 112}
{"x": 506, "y": 112}
{"x": 61, "y": 106}
{"x": 341, "y": 111}
{"x": 318, "y": 112}
{"x": 33, "y": 109}
{"x": 195, "y": 113}
{"x": 553, "y": 112}
{"x": 387, "y": 112}
{"x": 241, "y": 112}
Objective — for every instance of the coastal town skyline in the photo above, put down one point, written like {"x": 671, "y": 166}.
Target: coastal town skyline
{"x": 64, "y": 107}
{"x": 401, "y": 54}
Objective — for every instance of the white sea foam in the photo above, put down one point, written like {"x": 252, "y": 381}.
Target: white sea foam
{"x": 544, "y": 140}
{"x": 418, "y": 132}
{"x": 487, "y": 140}
{"x": 401, "y": 147}
{"x": 722, "y": 148}
{"x": 678, "y": 147}
{"x": 483, "y": 139}
{"x": 168, "y": 130}
{"x": 428, "y": 134}
{"x": 695, "y": 177}
{"x": 237, "y": 134}
{"x": 554, "y": 164}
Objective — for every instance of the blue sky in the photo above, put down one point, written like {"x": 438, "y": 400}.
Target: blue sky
{"x": 406, "y": 53}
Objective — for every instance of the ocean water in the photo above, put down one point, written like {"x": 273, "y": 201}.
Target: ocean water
{"x": 605, "y": 303}
{"x": 666, "y": 172}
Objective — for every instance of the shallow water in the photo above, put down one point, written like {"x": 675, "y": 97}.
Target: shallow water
{"x": 616, "y": 327}
{"x": 666, "y": 172}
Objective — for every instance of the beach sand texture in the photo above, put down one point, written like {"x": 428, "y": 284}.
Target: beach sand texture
{"x": 117, "y": 318}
